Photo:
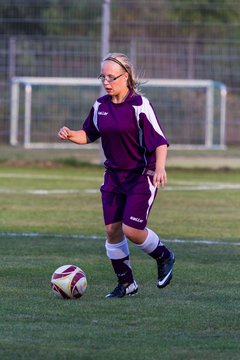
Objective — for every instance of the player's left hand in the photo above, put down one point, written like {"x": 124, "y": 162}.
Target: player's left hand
{"x": 159, "y": 178}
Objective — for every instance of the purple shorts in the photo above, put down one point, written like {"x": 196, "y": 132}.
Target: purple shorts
{"x": 127, "y": 197}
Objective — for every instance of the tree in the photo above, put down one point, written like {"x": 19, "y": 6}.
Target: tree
{"x": 50, "y": 17}
{"x": 203, "y": 18}
{"x": 21, "y": 17}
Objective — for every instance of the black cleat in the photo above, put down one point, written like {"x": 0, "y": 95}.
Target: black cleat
{"x": 121, "y": 290}
{"x": 165, "y": 270}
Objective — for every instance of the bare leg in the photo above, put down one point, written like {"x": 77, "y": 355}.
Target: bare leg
{"x": 114, "y": 233}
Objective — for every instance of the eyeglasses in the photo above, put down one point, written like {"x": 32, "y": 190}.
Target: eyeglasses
{"x": 109, "y": 78}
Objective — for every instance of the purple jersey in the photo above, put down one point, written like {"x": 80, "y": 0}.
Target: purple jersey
{"x": 130, "y": 132}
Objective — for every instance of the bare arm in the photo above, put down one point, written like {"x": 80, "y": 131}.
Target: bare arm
{"x": 78, "y": 137}
{"x": 160, "y": 175}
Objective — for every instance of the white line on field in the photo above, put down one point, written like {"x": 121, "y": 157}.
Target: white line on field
{"x": 177, "y": 184}
{"x": 200, "y": 187}
{"x": 203, "y": 187}
{"x": 173, "y": 185}
{"x": 48, "y": 192}
{"x": 98, "y": 237}
{"x": 49, "y": 177}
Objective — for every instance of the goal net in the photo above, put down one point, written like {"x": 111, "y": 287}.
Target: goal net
{"x": 192, "y": 112}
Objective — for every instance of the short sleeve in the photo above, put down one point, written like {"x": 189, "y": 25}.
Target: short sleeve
{"x": 153, "y": 135}
{"x": 90, "y": 126}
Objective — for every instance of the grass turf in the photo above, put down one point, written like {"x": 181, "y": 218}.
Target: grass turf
{"x": 196, "y": 317}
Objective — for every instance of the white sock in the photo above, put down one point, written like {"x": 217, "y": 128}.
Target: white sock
{"x": 151, "y": 242}
{"x": 117, "y": 251}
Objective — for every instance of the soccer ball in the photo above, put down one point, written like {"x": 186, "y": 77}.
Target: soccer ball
{"x": 69, "y": 282}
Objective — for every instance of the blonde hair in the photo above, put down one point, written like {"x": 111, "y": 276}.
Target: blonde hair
{"x": 122, "y": 60}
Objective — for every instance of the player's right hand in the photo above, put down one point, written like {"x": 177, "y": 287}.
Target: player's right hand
{"x": 64, "y": 133}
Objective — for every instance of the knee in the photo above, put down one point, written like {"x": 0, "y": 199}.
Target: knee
{"x": 114, "y": 233}
{"x": 135, "y": 235}
{"x": 129, "y": 232}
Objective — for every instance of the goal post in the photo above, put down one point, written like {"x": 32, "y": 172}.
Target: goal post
{"x": 209, "y": 87}
{"x": 28, "y": 83}
{"x": 192, "y": 112}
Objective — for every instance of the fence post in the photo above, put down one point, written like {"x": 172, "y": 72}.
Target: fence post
{"x": 13, "y": 91}
{"x": 105, "y": 47}
{"x": 11, "y": 57}
{"x": 105, "y": 39}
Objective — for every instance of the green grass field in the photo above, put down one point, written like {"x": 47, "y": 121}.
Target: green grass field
{"x": 52, "y": 216}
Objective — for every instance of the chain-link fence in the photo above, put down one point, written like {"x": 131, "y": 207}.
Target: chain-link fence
{"x": 165, "y": 39}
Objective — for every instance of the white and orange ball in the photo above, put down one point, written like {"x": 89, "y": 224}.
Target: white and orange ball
{"x": 69, "y": 282}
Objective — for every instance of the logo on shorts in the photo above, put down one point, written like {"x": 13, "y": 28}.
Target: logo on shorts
{"x": 149, "y": 172}
{"x": 136, "y": 219}
{"x": 102, "y": 113}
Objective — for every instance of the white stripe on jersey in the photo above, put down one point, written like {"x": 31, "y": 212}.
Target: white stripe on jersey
{"x": 95, "y": 115}
{"x": 146, "y": 109}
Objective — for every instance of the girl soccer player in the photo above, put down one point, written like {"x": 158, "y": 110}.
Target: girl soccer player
{"x": 135, "y": 149}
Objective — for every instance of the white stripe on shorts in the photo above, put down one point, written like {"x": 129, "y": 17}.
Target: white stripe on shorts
{"x": 152, "y": 189}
